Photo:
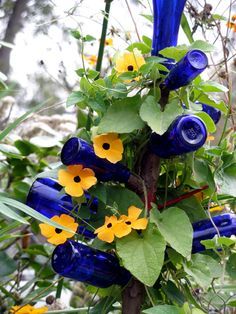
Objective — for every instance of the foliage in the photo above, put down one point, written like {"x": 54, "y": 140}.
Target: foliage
{"x": 129, "y": 104}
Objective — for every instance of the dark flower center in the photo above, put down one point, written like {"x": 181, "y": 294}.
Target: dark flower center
{"x": 109, "y": 225}
{"x": 77, "y": 179}
{"x": 128, "y": 222}
{"x": 106, "y": 146}
{"x": 57, "y": 230}
{"x": 130, "y": 68}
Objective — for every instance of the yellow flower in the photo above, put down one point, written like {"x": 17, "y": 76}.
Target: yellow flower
{"x": 216, "y": 209}
{"x": 129, "y": 61}
{"x": 76, "y": 179}
{"x": 28, "y": 309}
{"x": 58, "y": 236}
{"x": 92, "y": 60}
{"x": 111, "y": 228}
{"x": 210, "y": 138}
{"x": 132, "y": 222}
{"x": 109, "y": 42}
{"x": 108, "y": 146}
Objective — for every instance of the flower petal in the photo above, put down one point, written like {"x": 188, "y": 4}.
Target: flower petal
{"x": 140, "y": 224}
{"x": 106, "y": 236}
{"x": 75, "y": 169}
{"x": 134, "y": 212}
{"x": 121, "y": 229}
{"x": 64, "y": 177}
{"x": 113, "y": 156}
{"x": 47, "y": 230}
{"x": 87, "y": 182}
{"x": 74, "y": 189}
{"x": 57, "y": 239}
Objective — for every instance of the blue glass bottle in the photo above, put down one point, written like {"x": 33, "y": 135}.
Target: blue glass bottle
{"x": 205, "y": 230}
{"x": 45, "y": 197}
{"x": 77, "y": 151}
{"x": 186, "y": 134}
{"x": 79, "y": 262}
{"x": 186, "y": 70}
{"x": 167, "y": 16}
{"x": 214, "y": 113}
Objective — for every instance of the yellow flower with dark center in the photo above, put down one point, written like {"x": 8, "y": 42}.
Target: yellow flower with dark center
{"x": 27, "y": 309}
{"x": 92, "y": 60}
{"x": 129, "y": 61}
{"x": 111, "y": 228}
{"x": 108, "y": 146}
{"x": 76, "y": 179}
{"x": 109, "y": 42}
{"x": 58, "y": 236}
{"x": 132, "y": 221}
{"x": 232, "y": 24}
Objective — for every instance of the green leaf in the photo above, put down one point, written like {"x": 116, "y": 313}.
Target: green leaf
{"x": 140, "y": 46}
{"x": 162, "y": 309}
{"x": 75, "y": 98}
{"x": 176, "y": 53}
{"x": 176, "y": 228}
{"x": 143, "y": 255}
{"x": 10, "y": 151}
{"x": 14, "y": 124}
{"x": 147, "y": 41}
{"x": 193, "y": 209}
{"x": 123, "y": 197}
{"x": 231, "y": 266}
{"x": 212, "y": 87}
{"x": 211, "y": 127}
{"x": 88, "y": 38}
{"x": 202, "y": 173}
{"x": 8, "y": 212}
{"x": 30, "y": 211}
{"x": 186, "y": 28}
{"x": 76, "y": 34}
{"x": 26, "y": 148}
{"x": 206, "y": 99}
{"x": 148, "y": 17}
{"x": 202, "y": 45}
{"x": 122, "y": 117}
{"x": 7, "y": 265}
{"x": 158, "y": 120}
{"x": 226, "y": 180}
{"x": 203, "y": 269}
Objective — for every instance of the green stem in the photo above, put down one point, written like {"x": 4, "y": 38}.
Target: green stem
{"x": 103, "y": 35}
{"x": 59, "y": 288}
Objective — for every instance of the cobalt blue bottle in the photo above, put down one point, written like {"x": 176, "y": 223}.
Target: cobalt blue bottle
{"x": 46, "y": 198}
{"x": 186, "y": 134}
{"x": 186, "y": 70}
{"x": 77, "y": 151}
{"x": 167, "y": 16}
{"x": 214, "y": 113}
{"x": 79, "y": 262}
{"x": 205, "y": 230}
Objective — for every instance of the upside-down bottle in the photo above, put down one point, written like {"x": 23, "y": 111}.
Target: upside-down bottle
{"x": 186, "y": 70}
{"x": 82, "y": 263}
{"x": 166, "y": 21}
{"x": 46, "y": 197}
{"x": 205, "y": 230}
{"x": 77, "y": 151}
{"x": 214, "y": 113}
{"x": 187, "y": 133}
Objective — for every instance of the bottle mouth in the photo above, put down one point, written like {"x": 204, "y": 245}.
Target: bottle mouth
{"x": 197, "y": 59}
{"x": 62, "y": 257}
{"x": 192, "y": 131}
{"x": 70, "y": 150}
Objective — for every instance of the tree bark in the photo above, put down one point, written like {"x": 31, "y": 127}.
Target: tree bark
{"x": 13, "y": 26}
